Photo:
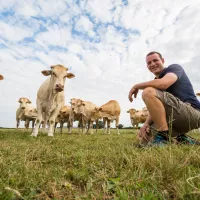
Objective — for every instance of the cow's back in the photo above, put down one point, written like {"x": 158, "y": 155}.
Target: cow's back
{"x": 88, "y": 108}
{"x": 112, "y": 107}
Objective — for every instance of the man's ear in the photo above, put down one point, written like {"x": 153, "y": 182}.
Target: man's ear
{"x": 163, "y": 60}
{"x": 70, "y": 75}
{"x": 46, "y": 72}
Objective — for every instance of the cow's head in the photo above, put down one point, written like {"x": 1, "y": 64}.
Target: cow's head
{"x": 32, "y": 113}
{"x": 132, "y": 112}
{"x": 78, "y": 107}
{"x": 23, "y": 102}
{"x": 58, "y": 75}
{"x": 198, "y": 94}
{"x": 1, "y": 77}
{"x": 64, "y": 111}
{"x": 96, "y": 114}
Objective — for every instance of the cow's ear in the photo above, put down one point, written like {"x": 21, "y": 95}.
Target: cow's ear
{"x": 46, "y": 72}
{"x": 100, "y": 109}
{"x": 70, "y": 75}
{"x": 19, "y": 100}
{"x": 29, "y": 101}
{"x": 198, "y": 94}
{"x": 1, "y": 77}
{"x": 128, "y": 111}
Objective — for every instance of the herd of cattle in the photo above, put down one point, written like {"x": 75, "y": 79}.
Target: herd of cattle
{"x": 51, "y": 109}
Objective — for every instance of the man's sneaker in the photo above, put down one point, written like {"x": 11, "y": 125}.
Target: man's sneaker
{"x": 185, "y": 139}
{"x": 159, "y": 140}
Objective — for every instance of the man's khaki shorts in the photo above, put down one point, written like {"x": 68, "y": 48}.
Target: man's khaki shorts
{"x": 181, "y": 117}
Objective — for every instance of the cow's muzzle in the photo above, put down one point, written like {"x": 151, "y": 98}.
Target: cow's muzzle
{"x": 59, "y": 87}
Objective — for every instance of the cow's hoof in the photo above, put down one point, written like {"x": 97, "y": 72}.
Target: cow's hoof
{"x": 33, "y": 135}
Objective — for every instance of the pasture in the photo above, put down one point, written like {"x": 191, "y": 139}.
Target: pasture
{"x": 94, "y": 167}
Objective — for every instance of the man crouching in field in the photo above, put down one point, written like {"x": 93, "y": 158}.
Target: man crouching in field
{"x": 173, "y": 107}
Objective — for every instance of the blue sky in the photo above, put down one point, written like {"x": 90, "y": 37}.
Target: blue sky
{"x": 103, "y": 43}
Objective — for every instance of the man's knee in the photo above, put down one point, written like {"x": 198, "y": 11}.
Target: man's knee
{"x": 148, "y": 92}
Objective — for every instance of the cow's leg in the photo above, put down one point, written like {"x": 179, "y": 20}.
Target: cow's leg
{"x": 79, "y": 126}
{"x": 18, "y": 122}
{"x": 70, "y": 123}
{"x": 44, "y": 124}
{"x": 27, "y": 121}
{"x": 108, "y": 126}
{"x": 55, "y": 125}
{"x": 51, "y": 126}
{"x": 52, "y": 120}
{"x": 38, "y": 121}
{"x": 117, "y": 123}
{"x": 97, "y": 125}
{"x": 104, "y": 124}
{"x": 33, "y": 123}
{"x": 132, "y": 122}
{"x": 90, "y": 126}
{"x": 84, "y": 128}
{"x": 69, "y": 127}
{"x": 61, "y": 127}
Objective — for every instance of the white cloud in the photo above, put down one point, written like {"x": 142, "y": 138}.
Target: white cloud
{"x": 101, "y": 11}
{"x": 56, "y": 35}
{"x": 84, "y": 24}
{"x": 13, "y": 33}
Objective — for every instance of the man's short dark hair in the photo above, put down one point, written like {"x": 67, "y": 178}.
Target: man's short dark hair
{"x": 153, "y": 52}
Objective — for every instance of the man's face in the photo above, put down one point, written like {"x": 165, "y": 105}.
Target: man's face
{"x": 155, "y": 64}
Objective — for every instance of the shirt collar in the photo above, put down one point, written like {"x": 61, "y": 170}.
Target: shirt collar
{"x": 162, "y": 73}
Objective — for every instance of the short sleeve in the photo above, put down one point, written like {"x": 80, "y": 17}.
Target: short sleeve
{"x": 176, "y": 69}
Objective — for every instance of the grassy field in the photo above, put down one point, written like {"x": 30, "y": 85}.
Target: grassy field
{"x": 95, "y": 166}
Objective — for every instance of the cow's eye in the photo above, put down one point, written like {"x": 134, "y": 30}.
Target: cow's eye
{"x": 54, "y": 74}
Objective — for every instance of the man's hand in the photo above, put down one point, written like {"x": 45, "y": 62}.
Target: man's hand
{"x": 134, "y": 91}
{"x": 143, "y": 132}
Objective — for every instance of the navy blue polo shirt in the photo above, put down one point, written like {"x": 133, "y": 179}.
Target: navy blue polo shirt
{"x": 182, "y": 88}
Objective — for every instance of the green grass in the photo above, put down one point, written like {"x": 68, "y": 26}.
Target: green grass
{"x": 95, "y": 166}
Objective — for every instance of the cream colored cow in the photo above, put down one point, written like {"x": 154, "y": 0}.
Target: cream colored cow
{"x": 74, "y": 116}
{"x": 24, "y": 106}
{"x": 85, "y": 110}
{"x": 137, "y": 116}
{"x": 50, "y": 97}
{"x": 63, "y": 117}
{"x": 109, "y": 112}
{"x": 1, "y": 77}
{"x": 30, "y": 115}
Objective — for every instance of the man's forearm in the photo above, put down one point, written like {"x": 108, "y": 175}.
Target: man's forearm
{"x": 157, "y": 83}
